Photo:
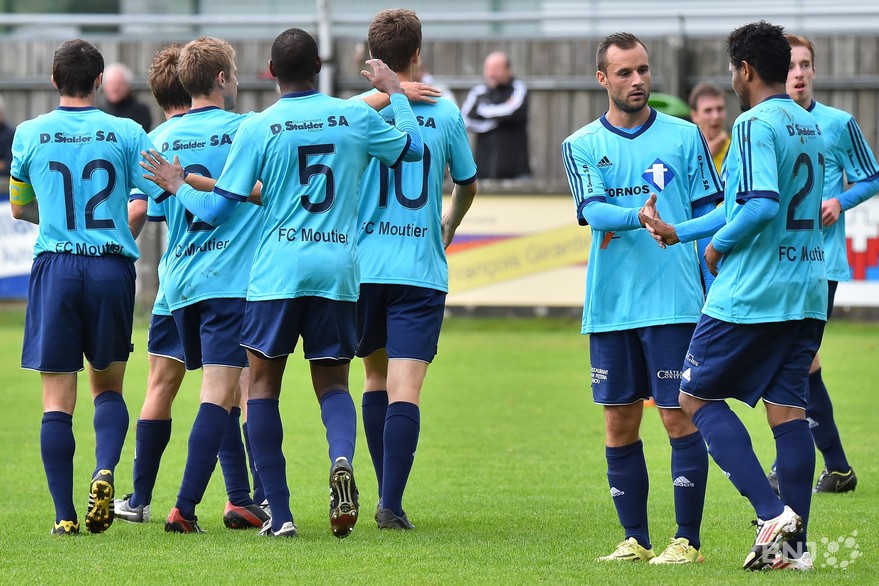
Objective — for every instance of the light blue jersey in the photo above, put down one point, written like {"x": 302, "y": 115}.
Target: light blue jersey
{"x": 82, "y": 164}
{"x": 848, "y": 158}
{"x": 630, "y": 281}
{"x": 778, "y": 275}
{"x": 155, "y": 213}
{"x": 203, "y": 262}
{"x": 400, "y": 213}
{"x": 309, "y": 150}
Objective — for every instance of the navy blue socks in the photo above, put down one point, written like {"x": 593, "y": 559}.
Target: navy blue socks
{"x": 340, "y": 418}
{"x": 730, "y": 446}
{"x": 689, "y": 473}
{"x": 795, "y": 468}
{"x": 201, "y": 459}
{"x": 629, "y": 485}
{"x": 266, "y": 434}
{"x": 402, "y": 426}
{"x": 151, "y": 439}
{"x": 57, "y": 446}
{"x": 824, "y": 431}
{"x": 233, "y": 461}
{"x": 374, "y": 410}
{"x": 259, "y": 494}
{"x": 111, "y": 426}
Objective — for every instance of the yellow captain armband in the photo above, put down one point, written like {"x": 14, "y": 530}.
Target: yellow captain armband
{"x": 20, "y": 193}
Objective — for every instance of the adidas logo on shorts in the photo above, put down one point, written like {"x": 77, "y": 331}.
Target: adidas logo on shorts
{"x": 683, "y": 481}
{"x": 615, "y": 492}
{"x": 604, "y": 163}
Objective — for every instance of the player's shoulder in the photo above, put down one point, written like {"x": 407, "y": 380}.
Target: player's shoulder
{"x": 585, "y": 132}
{"x": 829, "y": 115}
{"x": 669, "y": 121}
{"x": 443, "y": 110}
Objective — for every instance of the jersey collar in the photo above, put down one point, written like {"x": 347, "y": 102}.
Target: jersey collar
{"x": 76, "y": 108}
{"x": 299, "y": 94}
{"x": 644, "y": 127}
{"x": 203, "y": 109}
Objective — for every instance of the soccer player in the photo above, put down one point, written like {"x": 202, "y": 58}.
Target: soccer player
{"x": 403, "y": 268}
{"x": 165, "y": 348}
{"x": 765, "y": 312}
{"x": 72, "y": 172}
{"x": 848, "y": 159}
{"x": 708, "y": 112}
{"x": 310, "y": 151}
{"x": 205, "y": 281}
{"x": 639, "y": 332}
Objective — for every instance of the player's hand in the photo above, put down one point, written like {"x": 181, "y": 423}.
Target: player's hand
{"x": 830, "y": 211}
{"x": 420, "y": 92}
{"x": 167, "y": 176}
{"x": 712, "y": 257}
{"x": 381, "y": 77}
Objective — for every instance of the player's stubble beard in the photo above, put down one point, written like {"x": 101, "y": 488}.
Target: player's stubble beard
{"x": 629, "y": 108}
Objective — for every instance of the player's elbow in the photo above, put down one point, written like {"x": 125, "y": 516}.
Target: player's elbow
{"x": 20, "y": 212}
{"x": 415, "y": 152}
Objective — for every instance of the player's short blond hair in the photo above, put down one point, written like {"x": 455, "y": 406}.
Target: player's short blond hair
{"x": 801, "y": 41}
{"x": 201, "y": 61}
{"x": 164, "y": 81}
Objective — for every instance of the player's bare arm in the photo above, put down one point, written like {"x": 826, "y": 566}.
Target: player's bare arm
{"x": 462, "y": 199}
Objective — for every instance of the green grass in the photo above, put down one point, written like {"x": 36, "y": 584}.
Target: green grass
{"x": 508, "y": 485}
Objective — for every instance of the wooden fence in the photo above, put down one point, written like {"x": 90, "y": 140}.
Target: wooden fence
{"x": 564, "y": 94}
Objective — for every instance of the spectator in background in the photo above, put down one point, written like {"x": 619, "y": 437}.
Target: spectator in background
{"x": 708, "y": 112}
{"x": 497, "y": 111}
{"x": 6, "y": 133}
{"x": 118, "y": 99}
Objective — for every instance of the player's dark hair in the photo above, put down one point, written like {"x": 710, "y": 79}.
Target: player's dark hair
{"x": 164, "y": 82}
{"x": 295, "y": 56}
{"x": 764, "y": 47}
{"x": 621, "y": 40}
{"x": 75, "y": 67}
{"x": 394, "y": 37}
{"x": 703, "y": 90}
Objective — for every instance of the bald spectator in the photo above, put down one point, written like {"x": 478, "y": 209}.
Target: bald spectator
{"x": 118, "y": 99}
{"x": 497, "y": 111}
{"x": 708, "y": 112}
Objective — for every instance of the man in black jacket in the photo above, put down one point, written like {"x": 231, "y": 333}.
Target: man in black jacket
{"x": 497, "y": 111}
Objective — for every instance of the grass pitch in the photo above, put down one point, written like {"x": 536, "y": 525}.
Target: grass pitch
{"x": 508, "y": 486}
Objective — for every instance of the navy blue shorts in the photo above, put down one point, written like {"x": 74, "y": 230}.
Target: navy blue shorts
{"x": 163, "y": 338}
{"x": 272, "y": 328}
{"x": 210, "y": 331}
{"x": 404, "y": 319}
{"x": 78, "y": 305}
{"x": 749, "y": 362}
{"x": 636, "y": 364}
{"x": 831, "y": 295}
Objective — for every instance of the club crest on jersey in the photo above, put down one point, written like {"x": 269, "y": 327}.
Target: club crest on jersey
{"x": 658, "y": 174}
